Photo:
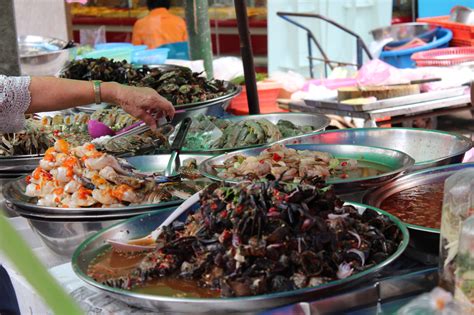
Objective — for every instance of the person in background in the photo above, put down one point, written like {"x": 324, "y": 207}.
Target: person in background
{"x": 159, "y": 27}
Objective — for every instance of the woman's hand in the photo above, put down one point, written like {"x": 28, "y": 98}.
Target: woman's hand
{"x": 143, "y": 103}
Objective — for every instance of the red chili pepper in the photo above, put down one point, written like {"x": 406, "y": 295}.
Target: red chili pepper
{"x": 214, "y": 206}
{"x": 28, "y": 179}
{"x": 261, "y": 161}
{"x": 276, "y": 157}
{"x": 344, "y": 163}
{"x": 56, "y": 133}
{"x": 344, "y": 176}
{"x": 224, "y": 214}
{"x": 239, "y": 209}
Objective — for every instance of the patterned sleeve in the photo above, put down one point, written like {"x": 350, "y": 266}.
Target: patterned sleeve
{"x": 15, "y": 99}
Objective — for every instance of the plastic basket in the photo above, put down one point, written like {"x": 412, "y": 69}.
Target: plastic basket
{"x": 444, "y": 57}
{"x": 462, "y": 43}
{"x": 402, "y": 58}
{"x": 267, "y": 97}
{"x": 150, "y": 57}
{"x": 118, "y": 54}
{"x": 179, "y": 50}
{"x": 460, "y": 31}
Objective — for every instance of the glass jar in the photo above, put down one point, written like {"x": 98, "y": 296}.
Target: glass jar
{"x": 457, "y": 207}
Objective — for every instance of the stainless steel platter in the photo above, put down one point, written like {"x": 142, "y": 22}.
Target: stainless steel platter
{"x": 19, "y": 163}
{"x": 13, "y": 192}
{"x": 429, "y": 176}
{"x": 429, "y": 148}
{"x": 397, "y": 162}
{"x": 215, "y": 106}
{"x": 317, "y": 121}
{"x": 143, "y": 225}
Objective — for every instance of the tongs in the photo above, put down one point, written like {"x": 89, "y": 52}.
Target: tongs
{"x": 171, "y": 172}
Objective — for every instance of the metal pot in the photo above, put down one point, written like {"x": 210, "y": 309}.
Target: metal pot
{"x": 461, "y": 14}
{"x": 43, "y": 55}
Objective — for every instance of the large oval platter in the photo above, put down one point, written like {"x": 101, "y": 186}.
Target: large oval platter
{"x": 143, "y": 225}
{"x": 395, "y": 162}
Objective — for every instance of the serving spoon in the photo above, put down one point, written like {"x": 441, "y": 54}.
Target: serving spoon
{"x": 149, "y": 242}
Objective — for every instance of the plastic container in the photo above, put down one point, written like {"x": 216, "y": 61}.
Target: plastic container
{"x": 402, "y": 58}
{"x": 462, "y": 33}
{"x": 458, "y": 205}
{"x": 179, "y": 50}
{"x": 118, "y": 54}
{"x": 268, "y": 92}
{"x": 444, "y": 57}
{"x": 150, "y": 57}
{"x": 112, "y": 46}
{"x": 464, "y": 284}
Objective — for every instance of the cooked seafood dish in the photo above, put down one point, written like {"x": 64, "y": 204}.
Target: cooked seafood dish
{"x": 71, "y": 177}
{"x": 179, "y": 86}
{"x": 40, "y": 134}
{"x": 209, "y": 132}
{"x": 255, "y": 238}
{"x": 289, "y": 164}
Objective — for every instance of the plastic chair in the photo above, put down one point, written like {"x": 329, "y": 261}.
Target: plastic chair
{"x": 179, "y": 50}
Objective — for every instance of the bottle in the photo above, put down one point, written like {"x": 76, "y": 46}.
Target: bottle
{"x": 457, "y": 207}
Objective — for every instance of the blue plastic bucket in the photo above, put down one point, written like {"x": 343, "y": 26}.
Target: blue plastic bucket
{"x": 402, "y": 58}
{"x": 150, "y": 57}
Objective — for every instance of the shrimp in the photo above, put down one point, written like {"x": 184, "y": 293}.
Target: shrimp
{"x": 86, "y": 150}
{"x": 125, "y": 193}
{"x": 109, "y": 174}
{"x": 98, "y": 163}
{"x": 104, "y": 196}
{"x": 61, "y": 146}
{"x": 72, "y": 186}
{"x": 46, "y": 165}
{"x": 83, "y": 198}
{"x": 63, "y": 174}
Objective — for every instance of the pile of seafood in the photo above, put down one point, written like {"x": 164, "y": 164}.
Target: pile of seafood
{"x": 209, "y": 132}
{"x": 71, "y": 177}
{"x": 264, "y": 237}
{"x": 286, "y": 164}
{"x": 40, "y": 134}
{"x": 178, "y": 85}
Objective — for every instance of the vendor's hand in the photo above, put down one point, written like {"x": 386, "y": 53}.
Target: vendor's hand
{"x": 143, "y": 103}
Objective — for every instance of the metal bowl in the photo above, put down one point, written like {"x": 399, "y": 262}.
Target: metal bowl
{"x": 14, "y": 193}
{"x": 43, "y": 55}
{"x": 143, "y": 225}
{"x": 429, "y": 148}
{"x": 214, "y": 107}
{"x": 397, "y": 162}
{"x": 403, "y": 32}
{"x": 422, "y": 238}
{"x": 462, "y": 14}
{"x": 317, "y": 121}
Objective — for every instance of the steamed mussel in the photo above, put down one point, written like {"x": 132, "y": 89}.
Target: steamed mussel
{"x": 263, "y": 237}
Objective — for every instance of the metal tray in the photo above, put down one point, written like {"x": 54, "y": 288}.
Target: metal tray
{"x": 318, "y": 121}
{"x": 429, "y": 176}
{"x": 385, "y": 296}
{"x": 143, "y": 225}
{"x": 234, "y": 90}
{"x": 397, "y": 161}
{"x": 13, "y": 191}
{"x": 429, "y": 148}
{"x": 387, "y": 103}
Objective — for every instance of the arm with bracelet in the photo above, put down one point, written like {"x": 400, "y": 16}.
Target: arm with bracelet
{"x": 20, "y": 95}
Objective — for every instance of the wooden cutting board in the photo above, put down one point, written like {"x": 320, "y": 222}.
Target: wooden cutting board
{"x": 380, "y": 92}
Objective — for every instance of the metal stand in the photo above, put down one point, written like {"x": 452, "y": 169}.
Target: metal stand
{"x": 361, "y": 47}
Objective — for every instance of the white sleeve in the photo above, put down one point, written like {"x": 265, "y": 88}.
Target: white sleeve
{"x": 15, "y": 99}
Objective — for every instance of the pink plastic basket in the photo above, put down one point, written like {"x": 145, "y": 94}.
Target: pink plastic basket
{"x": 444, "y": 57}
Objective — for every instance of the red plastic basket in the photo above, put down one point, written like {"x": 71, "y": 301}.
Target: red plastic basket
{"x": 460, "y": 31}
{"x": 444, "y": 57}
{"x": 462, "y": 43}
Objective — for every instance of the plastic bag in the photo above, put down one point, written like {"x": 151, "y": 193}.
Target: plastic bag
{"x": 436, "y": 302}
{"x": 92, "y": 37}
{"x": 290, "y": 81}
{"x": 228, "y": 68}
{"x": 202, "y": 134}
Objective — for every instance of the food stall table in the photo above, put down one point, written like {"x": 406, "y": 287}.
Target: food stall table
{"x": 404, "y": 114}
